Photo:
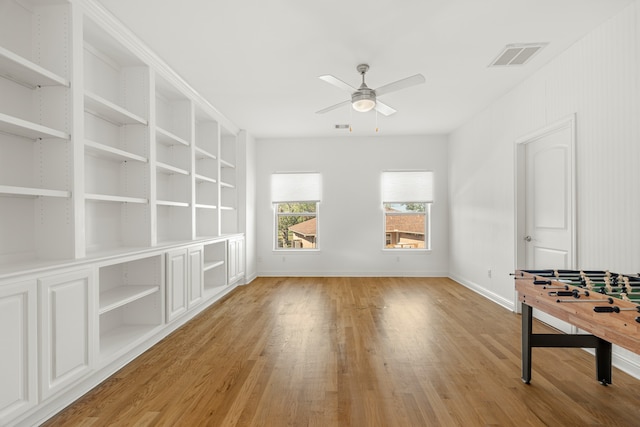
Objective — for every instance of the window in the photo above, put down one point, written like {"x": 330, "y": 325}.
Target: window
{"x": 406, "y": 201}
{"x": 295, "y": 198}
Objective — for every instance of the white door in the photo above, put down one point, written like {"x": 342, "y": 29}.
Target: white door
{"x": 549, "y": 200}
{"x": 545, "y": 197}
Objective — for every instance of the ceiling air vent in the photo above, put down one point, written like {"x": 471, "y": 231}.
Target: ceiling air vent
{"x": 516, "y": 54}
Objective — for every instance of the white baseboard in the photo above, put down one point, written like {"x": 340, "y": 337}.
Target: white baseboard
{"x": 504, "y": 302}
{"x": 353, "y": 274}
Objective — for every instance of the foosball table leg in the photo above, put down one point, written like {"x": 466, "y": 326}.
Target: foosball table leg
{"x": 527, "y": 328}
{"x": 603, "y": 361}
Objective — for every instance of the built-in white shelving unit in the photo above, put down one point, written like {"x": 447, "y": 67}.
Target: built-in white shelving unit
{"x": 109, "y": 163}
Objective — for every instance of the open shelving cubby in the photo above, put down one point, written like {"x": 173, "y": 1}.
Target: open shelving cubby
{"x": 207, "y": 136}
{"x": 116, "y": 141}
{"x": 173, "y": 163}
{"x": 215, "y": 267}
{"x": 130, "y": 303}
{"x": 35, "y": 184}
{"x": 228, "y": 183}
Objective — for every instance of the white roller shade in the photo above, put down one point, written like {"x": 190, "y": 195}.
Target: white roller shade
{"x": 407, "y": 186}
{"x": 296, "y": 187}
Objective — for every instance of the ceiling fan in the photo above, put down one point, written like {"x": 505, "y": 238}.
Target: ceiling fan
{"x": 364, "y": 99}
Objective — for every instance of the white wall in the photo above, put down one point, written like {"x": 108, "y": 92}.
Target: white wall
{"x": 249, "y": 147}
{"x": 350, "y": 215}
{"x": 598, "y": 79}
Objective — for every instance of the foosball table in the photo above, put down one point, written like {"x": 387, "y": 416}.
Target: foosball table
{"x": 605, "y": 305}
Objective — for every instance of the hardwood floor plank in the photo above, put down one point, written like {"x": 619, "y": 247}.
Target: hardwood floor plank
{"x": 354, "y": 352}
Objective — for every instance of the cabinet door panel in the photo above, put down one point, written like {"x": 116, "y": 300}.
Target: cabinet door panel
{"x": 232, "y": 260}
{"x": 18, "y": 343}
{"x": 196, "y": 275}
{"x": 176, "y": 283}
{"x": 66, "y": 324}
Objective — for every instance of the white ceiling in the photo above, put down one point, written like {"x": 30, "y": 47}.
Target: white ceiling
{"x": 258, "y": 61}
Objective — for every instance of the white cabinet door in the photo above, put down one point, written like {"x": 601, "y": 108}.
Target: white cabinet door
{"x": 67, "y": 335}
{"x": 196, "y": 275}
{"x": 232, "y": 261}
{"x": 176, "y": 283}
{"x": 240, "y": 257}
{"x": 18, "y": 357}
{"x": 235, "y": 259}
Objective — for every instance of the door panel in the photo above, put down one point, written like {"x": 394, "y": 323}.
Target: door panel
{"x": 18, "y": 356}
{"x": 548, "y": 201}
{"x": 66, "y": 328}
{"x": 548, "y": 211}
{"x": 176, "y": 283}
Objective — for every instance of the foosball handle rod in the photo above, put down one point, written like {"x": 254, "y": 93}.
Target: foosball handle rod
{"x": 615, "y": 309}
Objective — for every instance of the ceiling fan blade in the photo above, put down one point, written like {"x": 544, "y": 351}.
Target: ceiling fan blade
{"x": 337, "y": 83}
{"x": 333, "y": 107}
{"x": 400, "y": 84}
{"x": 384, "y": 108}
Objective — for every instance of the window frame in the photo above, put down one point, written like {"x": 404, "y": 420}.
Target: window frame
{"x": 276, "y": 215}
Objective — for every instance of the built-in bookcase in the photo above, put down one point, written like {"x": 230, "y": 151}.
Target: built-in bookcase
{"x": 35, "y": 121}
{"x": 109, "y": 162}
{"x": 149, "y": 165}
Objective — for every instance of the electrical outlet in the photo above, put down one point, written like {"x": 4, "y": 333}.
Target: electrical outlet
{"x": 489, "y": 273}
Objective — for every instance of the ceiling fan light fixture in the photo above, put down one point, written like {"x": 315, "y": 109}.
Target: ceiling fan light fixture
{"x": 363, "y": 101}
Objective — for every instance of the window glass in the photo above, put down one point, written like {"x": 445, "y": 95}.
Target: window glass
{"x": 406, "y": 225}
{"x": 296, "y": 225}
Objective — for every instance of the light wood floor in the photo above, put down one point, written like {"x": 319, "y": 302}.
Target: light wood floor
{"x": 355, "y": 352}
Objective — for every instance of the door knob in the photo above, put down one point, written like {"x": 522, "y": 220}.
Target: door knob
{"x": 527, "y": 238}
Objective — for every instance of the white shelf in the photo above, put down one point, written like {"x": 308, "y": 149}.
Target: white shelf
{"x": 204, "y": 154}
{"x": 168, "y": 169}
{"x": 211, "y": 265}
{"x": 32, "y": 192}
{"x": 22, "y": 70}
{"x": 122, "y": 295}
{"x": 114, "y": 113}
{"x": 26, "y": 129}
{"x": 225, "y": 164}
{"x": 120, "y": 338}
{"x": 167, "y": 138}
{"x": 226, "y": 185}
{"x": 203, "y": 206}
{"x": 202, "y": 178}
{"x": 171, "y": 203}
{"x": 119, "y": 199}
{"x": 103, "y": 150}
{"x": 227, "y": 208}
